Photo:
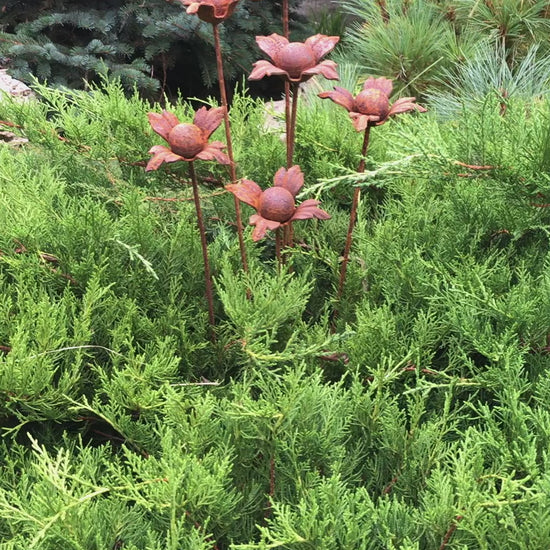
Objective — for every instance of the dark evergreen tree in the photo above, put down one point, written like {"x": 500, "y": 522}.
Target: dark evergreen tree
{"x": 150, "y": 45}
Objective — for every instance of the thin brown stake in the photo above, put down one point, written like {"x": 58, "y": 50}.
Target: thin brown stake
{"x": 286, "y": 26}
{"x": 278, "y": 240}
{"x": 232, "y": 166}
{"x": 287, "y": 124}
{"x": 475, "y": 166}
{"x": 389, "y": 487}
{"x": 268, "y": 509}
{"x": 202, "y": 231}
{"x": 450, "y": 532}
{"x": 353, "y": 216}
{"x": 288, "y": 240}
{"x": 286, "y": 33}
{"x": 291, "y": 132}
{"x": 9, "y": 124}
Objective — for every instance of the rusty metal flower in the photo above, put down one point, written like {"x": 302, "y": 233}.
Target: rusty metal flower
{"x": 187, "y": 142}
{"x": 296, "y": 61}
{"x": 211, "y": 11}
{"x": 276, "y": 206}
{"x": 371, "y": 107}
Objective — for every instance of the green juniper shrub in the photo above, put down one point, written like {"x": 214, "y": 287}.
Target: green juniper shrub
{"x": 416, "y": 419}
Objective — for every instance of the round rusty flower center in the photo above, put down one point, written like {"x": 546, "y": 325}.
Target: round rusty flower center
{"x": 186, "y": 140}
{"x": 295, "y": 58}
{"x": 373, "y": 102}
{"x": 277, "y": 204}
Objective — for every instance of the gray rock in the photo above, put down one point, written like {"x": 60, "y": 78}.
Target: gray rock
{"x": 9, "y": 138}
{"x": 14, "y": 87}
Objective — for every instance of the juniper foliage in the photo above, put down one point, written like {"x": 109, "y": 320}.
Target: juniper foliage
{"x": 417, "y": 419}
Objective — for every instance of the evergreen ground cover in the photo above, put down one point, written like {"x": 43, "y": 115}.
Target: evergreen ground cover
{"x": 419, "y": 418}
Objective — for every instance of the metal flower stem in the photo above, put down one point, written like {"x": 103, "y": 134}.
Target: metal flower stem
{"x": 278, "y": 240}
{"x": 291, "y": 138}
{"x": 286, "y": 27}
{"x": 353, "y": 215}
{"x": 289, "y": 126}
{"x": 202, "y": 231}
{"x": 291, "y": 130}
{"x": 286, "y": 33}
{"x": 232, "y": 166}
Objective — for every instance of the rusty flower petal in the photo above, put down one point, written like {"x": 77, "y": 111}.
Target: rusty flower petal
{"x": 213, "y": 151}
{"x": 385, "y": 85}
{"x": 163, "y": 123}
{"x": 404, "y": 105}
{"x": 247, "y": 191}
{"x": 292, "y": 179}
{"x": 209, "y": 119}
{"x": 264, "y": 68}
{"x": 297, "y": 61}
{"x": 272, "y": 45}
{"x": 360, "y": 122}
{"x": 211, "y": 11}
{"x": 321, "y": 44}
{"x": 262, "y": 225}
{"x": 341, "y": 96}
{"x": 308, "y": 209}
{"x": 371, "y": 106}
{"x": 326, "y": 68}
{"x": 160, "y": 154}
